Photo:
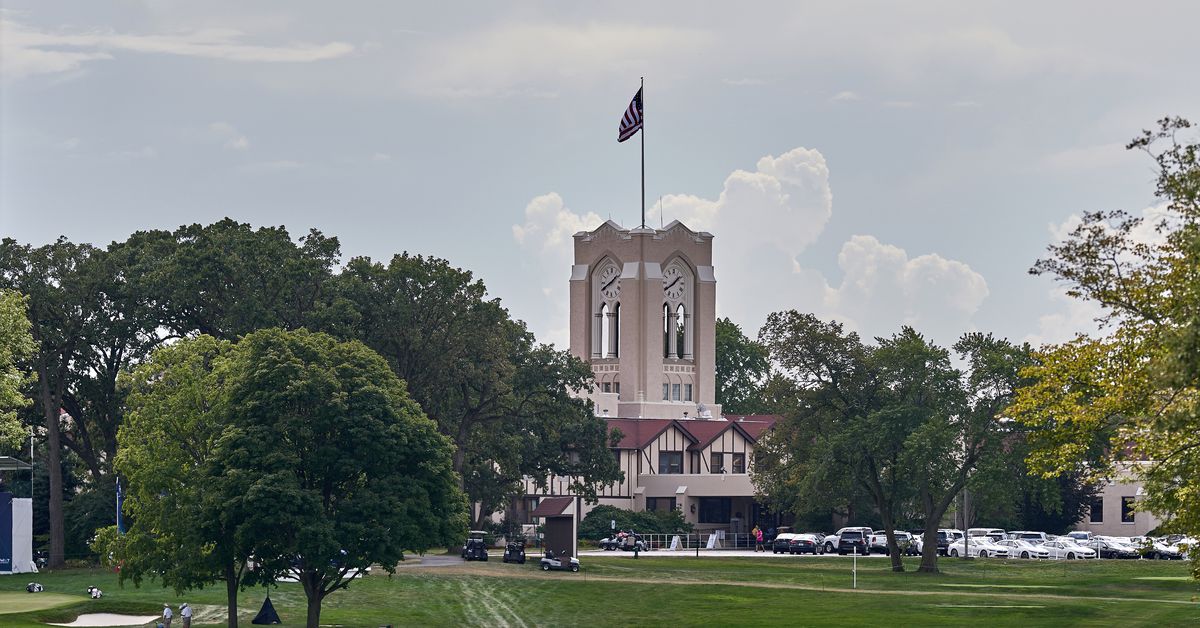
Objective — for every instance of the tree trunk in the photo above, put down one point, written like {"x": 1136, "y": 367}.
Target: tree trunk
{"x": 889, "y": 530}
{"x": 56, "y": 559}
{"x": 929, "y": 549}
{"x": 231, "y": 594}
{"x": 314, "y": 611}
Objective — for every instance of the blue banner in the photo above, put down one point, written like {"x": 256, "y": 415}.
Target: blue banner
{"x": 6, "y": 538}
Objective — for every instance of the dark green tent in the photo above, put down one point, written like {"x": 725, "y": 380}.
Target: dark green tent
{"x": 267, "y": 615}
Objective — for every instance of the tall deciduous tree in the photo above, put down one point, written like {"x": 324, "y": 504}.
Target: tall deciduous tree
{"x": 16, "y": 346}
{"x": 184, "y": 509}
{"x": 741, "y": 370}
{"x": 1133, "y": 394}
{"x": 341, "y": 468}
{"x": 504, "y": 401}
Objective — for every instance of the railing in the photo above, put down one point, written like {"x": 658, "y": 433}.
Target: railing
{"x": 701, "y": 540}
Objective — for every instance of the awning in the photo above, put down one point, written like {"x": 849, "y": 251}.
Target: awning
{"x": 553, "y": 507}
{"x": 8, "y": 463}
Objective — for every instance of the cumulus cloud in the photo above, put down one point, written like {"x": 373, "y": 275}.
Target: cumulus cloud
{"x": 26, "y": 51}
{"x": 845, "y": 96}
{"x": 762, "y": 221}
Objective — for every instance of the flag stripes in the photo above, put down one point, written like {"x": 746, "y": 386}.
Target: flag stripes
{"x": 631, "y": 122}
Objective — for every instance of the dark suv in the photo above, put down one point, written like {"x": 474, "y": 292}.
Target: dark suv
{"x": 852, "y": 541}
{"x": 943, "y": 540}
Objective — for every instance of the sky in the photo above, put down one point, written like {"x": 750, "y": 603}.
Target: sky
{"x": 881, "y": 164}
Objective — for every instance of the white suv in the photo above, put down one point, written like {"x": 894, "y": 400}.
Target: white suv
{"x": 829, "y": 544}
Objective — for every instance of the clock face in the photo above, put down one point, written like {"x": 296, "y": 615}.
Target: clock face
{"x": 673, "y": 283}
{"x": 610, "y": 285}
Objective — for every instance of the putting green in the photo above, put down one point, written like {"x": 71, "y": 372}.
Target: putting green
{"x": 1172, "y": 578}
{"x": 13, "y": 602}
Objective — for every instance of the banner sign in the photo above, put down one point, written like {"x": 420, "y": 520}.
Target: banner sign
{"x": 6, "y": 532}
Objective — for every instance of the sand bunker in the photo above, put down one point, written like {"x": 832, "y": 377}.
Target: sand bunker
{"x": 110, "y": 619}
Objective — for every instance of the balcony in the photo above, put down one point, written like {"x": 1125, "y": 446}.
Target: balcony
{"x": 697, "y": 484}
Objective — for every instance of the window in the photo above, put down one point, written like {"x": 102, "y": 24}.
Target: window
{"x": 531, "y": 504}
{"x": 1097, "y": 510}
{"x": 607, "y": 387}
{"x": 1127, "y": 512}
{"x": 687, "y": 392}
{"x": 670, "y": 462}
{"x": 666, "y": 392}
{"x": 617, "y": 387}
{"x": 716, "y": 462}
{"x": 694, "y": 462}
{"x": 675, "y": 392}
{"x": 660, "y": 504}
{"x": 715, "y": 509}
{"x": 739, "y": 463}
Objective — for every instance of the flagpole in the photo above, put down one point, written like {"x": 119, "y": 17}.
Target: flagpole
{"x": 642, "y": 89}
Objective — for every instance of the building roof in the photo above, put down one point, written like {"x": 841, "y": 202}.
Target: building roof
{"x": 552, "y": 506}
{"x": 638, "y": 433}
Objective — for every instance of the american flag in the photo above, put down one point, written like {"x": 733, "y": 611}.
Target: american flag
{"x": 631, "y": 122}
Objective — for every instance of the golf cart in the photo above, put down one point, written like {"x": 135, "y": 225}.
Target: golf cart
{"x": 558, "y": 563}
{"x": 475, "y": 548}
{"x": 514, "y": 551}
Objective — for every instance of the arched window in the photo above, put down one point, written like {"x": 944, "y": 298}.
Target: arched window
{"x": 666, "y": 321}
{"x": 681, "y": 323}
{"x": 605, "y": 331}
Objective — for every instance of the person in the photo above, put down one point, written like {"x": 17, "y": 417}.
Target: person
{"x": 167, "y": 616}
{"x": 758, "y": 539}
{"x": 185, "y": 612}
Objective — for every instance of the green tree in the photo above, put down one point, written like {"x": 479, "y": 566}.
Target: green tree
{"x": 341, "y": 469}
{"x": 842, "y": 437}
{"x": 894, "y": 421}
{"x": 741, "y": 369}
{"x": 16, "y": 346}
{"x": 1132, "y": 393}
{"x": 504, "y": 401}
{"x": 183, "y": 511}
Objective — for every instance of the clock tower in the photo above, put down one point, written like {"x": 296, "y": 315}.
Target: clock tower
{"x": 643, "y": 314}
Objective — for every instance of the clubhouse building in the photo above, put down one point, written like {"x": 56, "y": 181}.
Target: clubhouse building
{"x": 643, "y": 315}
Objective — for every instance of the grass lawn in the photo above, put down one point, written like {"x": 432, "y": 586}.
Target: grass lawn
{"x": 714, "y": 592}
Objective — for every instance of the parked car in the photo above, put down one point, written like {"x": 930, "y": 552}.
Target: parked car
{"x": 1060, "y": 548}
{"x": 830, "y": 543}
{"x": 904, "y": 541}
{"x": 994, "y": 533}
{"x": 852, "y": 542}
{"x": 782, "y": 543}
{"x": 1020, "y": 548}
{"x": 1109, "y": 548}
{"x": 980, "y": 547}
{"x": 804, "y": 544}
{"x": 1082, "y": 536}
{"x": 1156, "y": 548}
{"x": 944, "y": 539}
{"x": 1029, "y": 535}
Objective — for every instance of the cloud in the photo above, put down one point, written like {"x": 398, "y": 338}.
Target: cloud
{"x": 523, "y": 58}
{"x": 26, "y": 51}
{"x": 230, "y": 137}
{"x": 762, "y": 222}
{"x": 845, "y": 96}
{"x": 1093, "y": 157}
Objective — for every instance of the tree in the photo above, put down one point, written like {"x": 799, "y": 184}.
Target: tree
{"x": 183, "y": 510}
{"x": 842, "y": 436}
{"x": 504, "y": 401}
{"x": 1129, "y": 397}
{"x": 16, "y": 346}
{"x": 741, "y": 368}
{"x": 894, "y": 421}
{"x": 61, "y": 307}
{"x": 341, "y": 469}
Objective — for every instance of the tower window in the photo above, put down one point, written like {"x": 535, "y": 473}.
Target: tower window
{"x": 666, "y": 392}
{"x": 687, "y": 392}
{"x": 675, "y": 392}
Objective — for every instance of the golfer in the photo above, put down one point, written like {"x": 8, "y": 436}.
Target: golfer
{"x": 185, "y": 612}
{"x": 167, "y": 615}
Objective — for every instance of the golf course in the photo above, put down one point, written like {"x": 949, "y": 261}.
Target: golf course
{"x": 650, "y": 591}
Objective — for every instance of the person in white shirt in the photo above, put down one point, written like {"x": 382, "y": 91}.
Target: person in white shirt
{"x": 185, "y": 612}
{"x": 167, "y": 615}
